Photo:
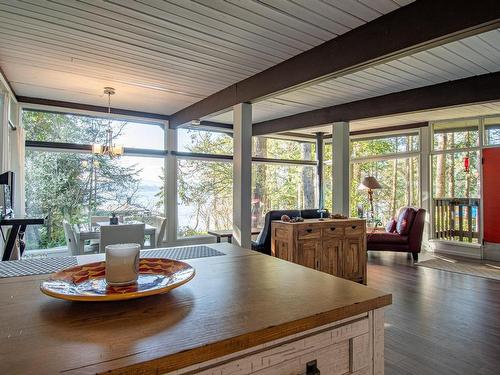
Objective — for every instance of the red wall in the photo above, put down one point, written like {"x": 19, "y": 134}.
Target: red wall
{"x": 491, "y": 194}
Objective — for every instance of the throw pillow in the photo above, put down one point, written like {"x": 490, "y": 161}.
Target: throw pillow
{"x": 405, "y": 221}
{"x": 391, "y": 226}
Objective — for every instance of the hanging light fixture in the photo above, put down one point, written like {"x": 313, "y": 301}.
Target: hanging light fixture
{"x": 109, "y": 148}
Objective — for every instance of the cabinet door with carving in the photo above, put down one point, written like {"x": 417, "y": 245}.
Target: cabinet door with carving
{"x": 307, "y": 252}
{"x": 329, "y": 261}
{"x": 354, "y": 258}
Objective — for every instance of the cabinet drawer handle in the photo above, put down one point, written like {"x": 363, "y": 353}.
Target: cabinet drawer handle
{"x": 354, "y": 226}
{"x": 332, "y": 228}
{"x": 309, "y": 230}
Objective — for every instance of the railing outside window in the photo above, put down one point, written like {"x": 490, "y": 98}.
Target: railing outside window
{"x": 456, "y": 219}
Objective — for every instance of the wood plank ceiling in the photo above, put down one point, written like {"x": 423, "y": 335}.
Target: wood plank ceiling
{"x": 473, "y": 110}
{"x": 476, "y": 55}
{"x": 165, "y": 55}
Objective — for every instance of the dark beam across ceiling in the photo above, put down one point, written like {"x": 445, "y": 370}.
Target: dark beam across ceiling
{"x": 478, "y": 89}
{"x": 90, "y": 108}
{"x": 420, "y": 25}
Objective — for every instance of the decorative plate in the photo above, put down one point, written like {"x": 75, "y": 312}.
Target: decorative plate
{"x": 87, "y": 282}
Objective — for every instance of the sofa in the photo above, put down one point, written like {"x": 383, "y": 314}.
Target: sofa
{"x": 263, "y": 242}
{"x": 409, "y": 240}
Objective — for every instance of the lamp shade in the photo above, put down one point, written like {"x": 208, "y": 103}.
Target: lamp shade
{"x": 370, "y": 182}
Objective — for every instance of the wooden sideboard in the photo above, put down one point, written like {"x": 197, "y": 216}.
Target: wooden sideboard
{"x": 334, "y": 246}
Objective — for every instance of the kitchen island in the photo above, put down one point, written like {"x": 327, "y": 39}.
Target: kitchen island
{"x": 243, "y": 313}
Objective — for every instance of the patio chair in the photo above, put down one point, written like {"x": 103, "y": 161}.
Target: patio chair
{"x": 126, "y": 233}
{"x": 162, "y": 230}
{"x": 71, "y": 240}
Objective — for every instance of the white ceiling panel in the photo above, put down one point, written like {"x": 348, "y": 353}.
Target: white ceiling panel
{"x": 175, "y": 52}
{"x": 468, "y": 57}
{"x": 483, "y": 109}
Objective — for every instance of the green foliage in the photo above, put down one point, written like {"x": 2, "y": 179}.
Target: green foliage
{"x": 70, "y": 186}
{"x": 399, "y": 177}
{"x": 206, "y": 186}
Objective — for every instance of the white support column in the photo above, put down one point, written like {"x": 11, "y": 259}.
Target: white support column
{"x": 340, "y": 157}
{"x": 242, "y": 174}
{"x": 4, "y": 131}
{"x": 170, "y": 184}
{"x": 425, "y": 181}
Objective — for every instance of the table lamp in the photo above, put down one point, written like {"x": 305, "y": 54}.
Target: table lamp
{"x": 370, "y": 183}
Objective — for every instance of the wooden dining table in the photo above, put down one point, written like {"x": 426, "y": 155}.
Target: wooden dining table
{"x": 93, "y": 233}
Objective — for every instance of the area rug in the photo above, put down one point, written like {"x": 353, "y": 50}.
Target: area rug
{"x": 484, "y": 268}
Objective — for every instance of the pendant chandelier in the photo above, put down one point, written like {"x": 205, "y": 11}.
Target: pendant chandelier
{"x": 109, "y": 148}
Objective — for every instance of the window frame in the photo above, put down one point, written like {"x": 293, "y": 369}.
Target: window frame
{"x": 389, "y": 156}
{"x": 184, "y": 155}
{"x": 46, "y": 146}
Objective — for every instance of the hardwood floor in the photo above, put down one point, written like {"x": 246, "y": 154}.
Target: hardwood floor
{"x": 440, "y": 322}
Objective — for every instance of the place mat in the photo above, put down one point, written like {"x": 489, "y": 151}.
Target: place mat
{"x": 38, "y": 266}
{"x": 27, "y": 267}
{"x": 181, "y": 253}
{"x": 485, "y": 269}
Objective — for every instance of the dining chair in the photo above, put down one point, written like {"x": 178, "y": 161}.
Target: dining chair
{"x": 162, "y": 230}
{"x": 123, "y": 233}
{"x": 92, "y": 247}
{"x": 71, "y": 240}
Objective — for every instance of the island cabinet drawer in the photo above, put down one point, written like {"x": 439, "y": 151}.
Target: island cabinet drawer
{"x": 338, "y": 351}
{"x": 307, "y": 232}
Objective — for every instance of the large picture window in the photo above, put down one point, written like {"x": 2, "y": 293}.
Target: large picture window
{"x": 205, "y": 196}
{"x": 395, "y": 162}
{"x": 65, "y": 182}
{"x": 283, "y": 176}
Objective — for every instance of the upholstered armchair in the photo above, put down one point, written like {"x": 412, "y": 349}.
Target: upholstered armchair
{"x": 405, "y": 237}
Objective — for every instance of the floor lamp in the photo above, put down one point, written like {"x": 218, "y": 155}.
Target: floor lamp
{"x": 370, "y": 183}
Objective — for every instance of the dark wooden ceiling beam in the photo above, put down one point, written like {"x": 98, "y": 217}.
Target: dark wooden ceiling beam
{"x": 90, "y": 108}
{"x": 483, "y": 88}
{"x": 420, "y": 25}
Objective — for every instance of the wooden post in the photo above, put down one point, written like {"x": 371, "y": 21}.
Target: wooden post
{"x": 242, "y": 174}
{"x": 340, "y": 157}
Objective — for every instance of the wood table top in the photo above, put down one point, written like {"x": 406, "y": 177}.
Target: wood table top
{"x": 234, "y": 302}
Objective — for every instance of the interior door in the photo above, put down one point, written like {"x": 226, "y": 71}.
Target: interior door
{"x": 491, "y": 194}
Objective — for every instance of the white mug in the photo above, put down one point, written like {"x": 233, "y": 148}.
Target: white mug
{"x": 122, "y": 263}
